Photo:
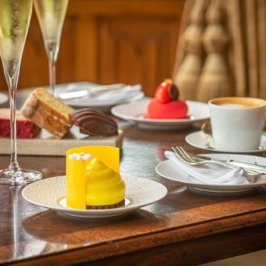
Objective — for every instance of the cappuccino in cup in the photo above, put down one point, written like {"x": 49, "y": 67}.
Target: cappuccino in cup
{"x": 237, "y": 123}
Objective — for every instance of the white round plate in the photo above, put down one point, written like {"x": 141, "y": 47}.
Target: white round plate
{"x": 103, "y": 106}
{"x": 3, "y": 98}
{"x": 168, "y": 169}
{"x": 198, "y": 139}
{"x": 50, "y": 193}
{"x": 134, "y": 112}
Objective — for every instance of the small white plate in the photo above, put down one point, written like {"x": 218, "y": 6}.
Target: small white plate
{"x": 50, "y": 193}
{"x": 103, "y": 106}
{"x": 134, "y": 112}
{"x": 168, "y": 169}
{"x": 198, "y": 139}
{"x": 3, "y": 98}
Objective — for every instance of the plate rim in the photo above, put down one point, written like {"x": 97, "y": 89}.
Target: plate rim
{"x": 214, "y": 149}
{"x": 157, "y": 121}
{"x": 93, "y": 213}
{"x": 101, "y": 107}
{"x": 222, "y": 188}
{"x": 136, "y": 97}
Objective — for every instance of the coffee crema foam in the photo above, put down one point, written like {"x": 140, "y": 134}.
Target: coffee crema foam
{"x": 238, "y": 102}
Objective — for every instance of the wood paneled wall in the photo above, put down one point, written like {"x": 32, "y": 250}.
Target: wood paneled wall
{"x": 108, "y": 41}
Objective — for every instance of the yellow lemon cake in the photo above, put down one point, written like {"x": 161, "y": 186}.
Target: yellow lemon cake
{"x": 93, "y": 179}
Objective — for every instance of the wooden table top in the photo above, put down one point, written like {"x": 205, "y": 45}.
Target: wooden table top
{"x": 185, "y": 228}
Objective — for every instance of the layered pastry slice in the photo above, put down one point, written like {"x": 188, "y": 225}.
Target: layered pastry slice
{"x": 48, "y": 112}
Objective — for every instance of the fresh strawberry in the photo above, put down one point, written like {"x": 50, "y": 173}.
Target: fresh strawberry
{"x": 166, "y": 91}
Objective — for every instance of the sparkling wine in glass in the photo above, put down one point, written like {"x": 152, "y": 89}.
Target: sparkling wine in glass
{"x": 15, "y": 18}
{"x": 51, "y": 15}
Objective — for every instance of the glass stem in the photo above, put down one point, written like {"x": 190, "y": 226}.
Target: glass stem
{"x": 12, "y": 88}
{"x": 52, "y": 51}
{"x": 52, "y": 75}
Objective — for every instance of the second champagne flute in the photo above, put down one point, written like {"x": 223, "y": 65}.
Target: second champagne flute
{"x": 51, "y": 15}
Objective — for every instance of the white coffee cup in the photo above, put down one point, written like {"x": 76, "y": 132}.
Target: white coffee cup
{"x": 237, "y": 123}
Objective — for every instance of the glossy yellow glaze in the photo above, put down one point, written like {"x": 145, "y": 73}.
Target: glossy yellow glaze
{"x": 75, "y": 171}
{"x": 104, "y": 186}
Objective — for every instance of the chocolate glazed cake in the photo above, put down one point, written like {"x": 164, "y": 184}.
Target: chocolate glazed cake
{"x": 94, "y": 123}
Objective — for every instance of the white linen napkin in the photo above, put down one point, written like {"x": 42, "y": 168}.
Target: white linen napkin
{"x": 211, "y": 173}
{"x": 106, "y": 98}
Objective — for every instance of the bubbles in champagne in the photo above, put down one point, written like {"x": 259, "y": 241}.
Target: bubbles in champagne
{"x": 51, "y": 15}
{"x": 14, "y": 23}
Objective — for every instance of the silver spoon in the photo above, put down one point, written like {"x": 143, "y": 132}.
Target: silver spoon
{"x": 207, "y": 130}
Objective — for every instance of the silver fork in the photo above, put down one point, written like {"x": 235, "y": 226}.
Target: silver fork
{"x": 185, "y": 156}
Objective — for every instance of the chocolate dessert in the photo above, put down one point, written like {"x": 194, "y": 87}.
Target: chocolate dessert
{"x": 94, "y": 123}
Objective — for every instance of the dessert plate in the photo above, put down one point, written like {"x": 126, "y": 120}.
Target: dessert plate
{"x": 135, "y": 112}
{"x": 3, "y": 98}
{"x": 198, "y": 139}
{"x": 169, "y": 170}
{"x": 50, "y": 193}
{"x": 103, "y": 104}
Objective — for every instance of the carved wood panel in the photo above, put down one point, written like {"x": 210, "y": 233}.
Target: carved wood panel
{"x": 132, "y": 53}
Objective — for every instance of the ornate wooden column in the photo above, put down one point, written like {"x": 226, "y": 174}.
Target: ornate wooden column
{"x": 214, "y": 80}
{"x": 190, "y": 68}
{"x": 234, "y": 55}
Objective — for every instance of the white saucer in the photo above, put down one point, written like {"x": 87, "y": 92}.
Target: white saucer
{"x": 169, "y": 170}
{"x": 3, "y": 98}
{"x": 198, "y": 139}
{"x": 50, "y": 193}
{"x": 103, "y": 106}
{"x": 135, "y": 112}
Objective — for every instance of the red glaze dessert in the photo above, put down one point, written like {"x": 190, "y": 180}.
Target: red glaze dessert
{"x": 165, "y": 104}
{"x": 25, "y": 128}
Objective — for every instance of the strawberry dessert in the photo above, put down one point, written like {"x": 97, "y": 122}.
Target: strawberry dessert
{"x": 166, "y": 104}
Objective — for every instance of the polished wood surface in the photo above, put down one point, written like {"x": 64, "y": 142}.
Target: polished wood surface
{"x": 185, "y": 228}
{"x": 107, "y": 41}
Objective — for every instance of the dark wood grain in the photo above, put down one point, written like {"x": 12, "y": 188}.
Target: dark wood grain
{"x": 185, "y": 228}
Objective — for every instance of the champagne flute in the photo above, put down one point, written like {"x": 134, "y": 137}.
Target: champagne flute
{"x": 51, "y": 15}
{"x": 15, "y": 18}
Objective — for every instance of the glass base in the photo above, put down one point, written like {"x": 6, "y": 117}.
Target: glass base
{"x": 19, "y": 177}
